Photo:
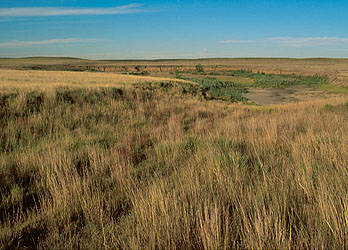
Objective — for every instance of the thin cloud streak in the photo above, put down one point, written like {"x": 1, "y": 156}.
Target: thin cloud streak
{"x": 21, "y": 44}
{"x": 238, "y": 41}
{"x": 19, "y": 20}
{"x": 293, "y": 41}
{"x": 64, "y": 11}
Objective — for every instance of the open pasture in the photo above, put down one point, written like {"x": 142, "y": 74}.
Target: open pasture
{"x": 34, "y": 79}
{"x": 336, "y": 69}
{"x": 98, "y": 160}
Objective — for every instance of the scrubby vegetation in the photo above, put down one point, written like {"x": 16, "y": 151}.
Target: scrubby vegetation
{"x": 199, "y": 69}
{"x": 232, "y": 90}
{"x": 277, "y": 81}
{"x": 214, "y": 89}
{"x": 92, "y": 168}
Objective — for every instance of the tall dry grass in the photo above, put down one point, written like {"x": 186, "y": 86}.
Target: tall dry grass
{"x": 44, "y": 80}
{"x": 125, "y": 169}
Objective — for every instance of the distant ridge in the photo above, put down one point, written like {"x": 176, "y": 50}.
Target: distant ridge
{"x": 169, "y": 59}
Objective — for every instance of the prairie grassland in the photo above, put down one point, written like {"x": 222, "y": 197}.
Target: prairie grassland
{"x": 312, "y": 66}
{"x": 93, "y": 168}
{"x": 236, "y": 79}
{"x": 34, "y": 79}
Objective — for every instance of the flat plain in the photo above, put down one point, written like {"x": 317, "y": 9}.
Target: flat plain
{"x": 174, "y": 154}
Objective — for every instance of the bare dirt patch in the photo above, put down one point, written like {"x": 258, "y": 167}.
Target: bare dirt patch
{"x": 266, "y": 96}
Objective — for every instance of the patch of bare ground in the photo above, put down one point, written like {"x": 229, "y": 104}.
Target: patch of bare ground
{"x": 266, "y": 96}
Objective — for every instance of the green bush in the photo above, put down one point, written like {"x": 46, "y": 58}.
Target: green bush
{"x": 214, "y": 89}
{"x": 199, "y": 69}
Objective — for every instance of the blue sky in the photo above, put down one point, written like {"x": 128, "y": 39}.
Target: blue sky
{"x": 173, "y": 29}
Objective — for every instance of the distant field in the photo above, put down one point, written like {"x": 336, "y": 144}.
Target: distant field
{"x": 221, "y": 69}
{"x": 10, "y": 79}
{"x": 335, "y": 69}
{"x": 324, "y": 66}
{"x": 99, "y": 160}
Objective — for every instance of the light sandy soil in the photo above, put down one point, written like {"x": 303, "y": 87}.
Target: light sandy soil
{"x": 266, "y": 96}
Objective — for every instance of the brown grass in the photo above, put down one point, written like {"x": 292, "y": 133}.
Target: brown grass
{"x": 35, "y": 79}
{"x": 323, "y": 66}
{"x": 140, "y": 171}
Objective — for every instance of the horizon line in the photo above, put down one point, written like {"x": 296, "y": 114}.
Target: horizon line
{"x": 170, "y": 59}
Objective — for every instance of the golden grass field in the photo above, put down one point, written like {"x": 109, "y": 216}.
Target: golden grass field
{"x": 89, "y": 161}
{"x": 334, "y": 68}
{"x": 31, "y": 79}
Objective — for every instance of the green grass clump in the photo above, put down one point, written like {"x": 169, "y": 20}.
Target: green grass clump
{"x": 275, "y": 81}
{"x": 261, "y": 79}
{"x": 173, "y": 88}
{"x": 208, "y": 88}
{"x": 334, "y": 88}
{"x": 343, "y": 108}
{"x": 329, "y": 107}
{"x": 199, "y": 69}
{"x": 219, "y": 90}
{"x": 240, "y": 73}
{"x": 214, "y": 89}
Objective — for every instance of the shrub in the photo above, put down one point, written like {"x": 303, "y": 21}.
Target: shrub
{"x": 199, "y": 69}
{"x": 214, "y": 89}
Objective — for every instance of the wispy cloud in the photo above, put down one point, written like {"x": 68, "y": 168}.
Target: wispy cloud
{"x": 19, "y": 19}
{"x": 19, "y": 44}
{"x": 238, "y": 41}
{"x": 65, "y": 11}
{"x": 295, "y": 42}
{"x": 308, "y": 41}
